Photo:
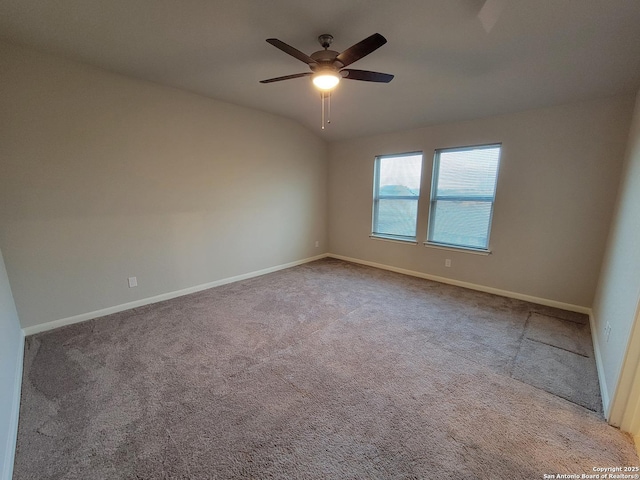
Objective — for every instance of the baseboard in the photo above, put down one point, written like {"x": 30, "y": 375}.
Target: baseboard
{"x": 43, "y": 327}
{"x": 473, "y": 286}
{"x": 10, "y": 449}
{"x": 604, "y": 392}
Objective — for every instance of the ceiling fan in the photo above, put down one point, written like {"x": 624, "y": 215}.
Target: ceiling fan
{"x": 328, "y": 66}
{"x": 331, "y": 63}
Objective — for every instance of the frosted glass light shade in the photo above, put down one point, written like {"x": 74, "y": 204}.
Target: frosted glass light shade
{"x": 326, "y": 80}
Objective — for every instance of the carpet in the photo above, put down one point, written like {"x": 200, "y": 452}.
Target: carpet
{"x": 325, "y": 370}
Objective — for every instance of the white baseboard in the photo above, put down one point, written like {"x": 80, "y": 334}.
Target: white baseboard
{"x": 10, "y": 447}
{"x": 473, "y": 286}
{"x": 604, "y": 392}
{"x": 43, "y": 327}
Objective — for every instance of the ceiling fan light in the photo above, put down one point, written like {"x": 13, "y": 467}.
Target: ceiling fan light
{"x": 326, "y": 80}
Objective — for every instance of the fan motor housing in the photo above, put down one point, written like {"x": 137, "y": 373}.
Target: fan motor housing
{"x": 325, "y": 58}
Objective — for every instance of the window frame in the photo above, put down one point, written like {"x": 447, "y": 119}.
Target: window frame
{"x": 435, "y": 174}
{"x": 377, "y": 198}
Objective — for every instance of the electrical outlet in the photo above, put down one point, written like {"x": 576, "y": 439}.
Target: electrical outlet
{"x": 447, "y": 262}
{"x": 133, "y": 282}
{"x": 607, "y": 331}
{"x": 317, "y": 243}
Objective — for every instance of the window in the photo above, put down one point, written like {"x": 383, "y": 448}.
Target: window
{"x": 462, "y": 196}
{"x": 396, "y": 190}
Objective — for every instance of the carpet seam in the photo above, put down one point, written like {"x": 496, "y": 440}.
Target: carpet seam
{"x": 559, "y": 348}
{"x": 520, "y": 341}
{"x": 559, "y": 318}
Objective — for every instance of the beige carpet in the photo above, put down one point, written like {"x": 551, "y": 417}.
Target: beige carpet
{"x": 326, "y": 370}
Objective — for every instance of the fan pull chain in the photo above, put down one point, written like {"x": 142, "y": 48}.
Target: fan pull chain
{"x": 325, "y": 97}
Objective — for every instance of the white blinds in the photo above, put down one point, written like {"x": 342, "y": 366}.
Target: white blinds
{"x": 463, "y": 192}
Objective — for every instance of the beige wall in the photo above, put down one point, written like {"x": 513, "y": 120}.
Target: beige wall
{"x": 106, "y": 177}
{"x": 557, "y": 184}
{"x": 618, "y": 294}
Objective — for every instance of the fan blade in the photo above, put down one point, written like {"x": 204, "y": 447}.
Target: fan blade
{"x": 366, "y": 75}
{"x": 294, "y": 52}
{"x": 286, "y": 77}
{"x": 361, "y": 49}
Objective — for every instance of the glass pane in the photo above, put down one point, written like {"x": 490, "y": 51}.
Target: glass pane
{"x": 468, "y": 173}
{"x": 397, "y": 217}
{"x": 400, "y": 175}
{"x": 460, "y": 223}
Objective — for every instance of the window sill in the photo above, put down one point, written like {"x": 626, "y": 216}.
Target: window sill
{"x": 474, "y": 251}
{"x": 405, "y": 241}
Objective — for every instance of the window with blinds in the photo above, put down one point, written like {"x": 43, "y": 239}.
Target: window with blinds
{"x": 396, "y": 190}
{"x": 462, "y": 195}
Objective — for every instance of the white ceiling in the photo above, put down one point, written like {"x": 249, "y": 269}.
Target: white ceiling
{"x": 447, "y": 66}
